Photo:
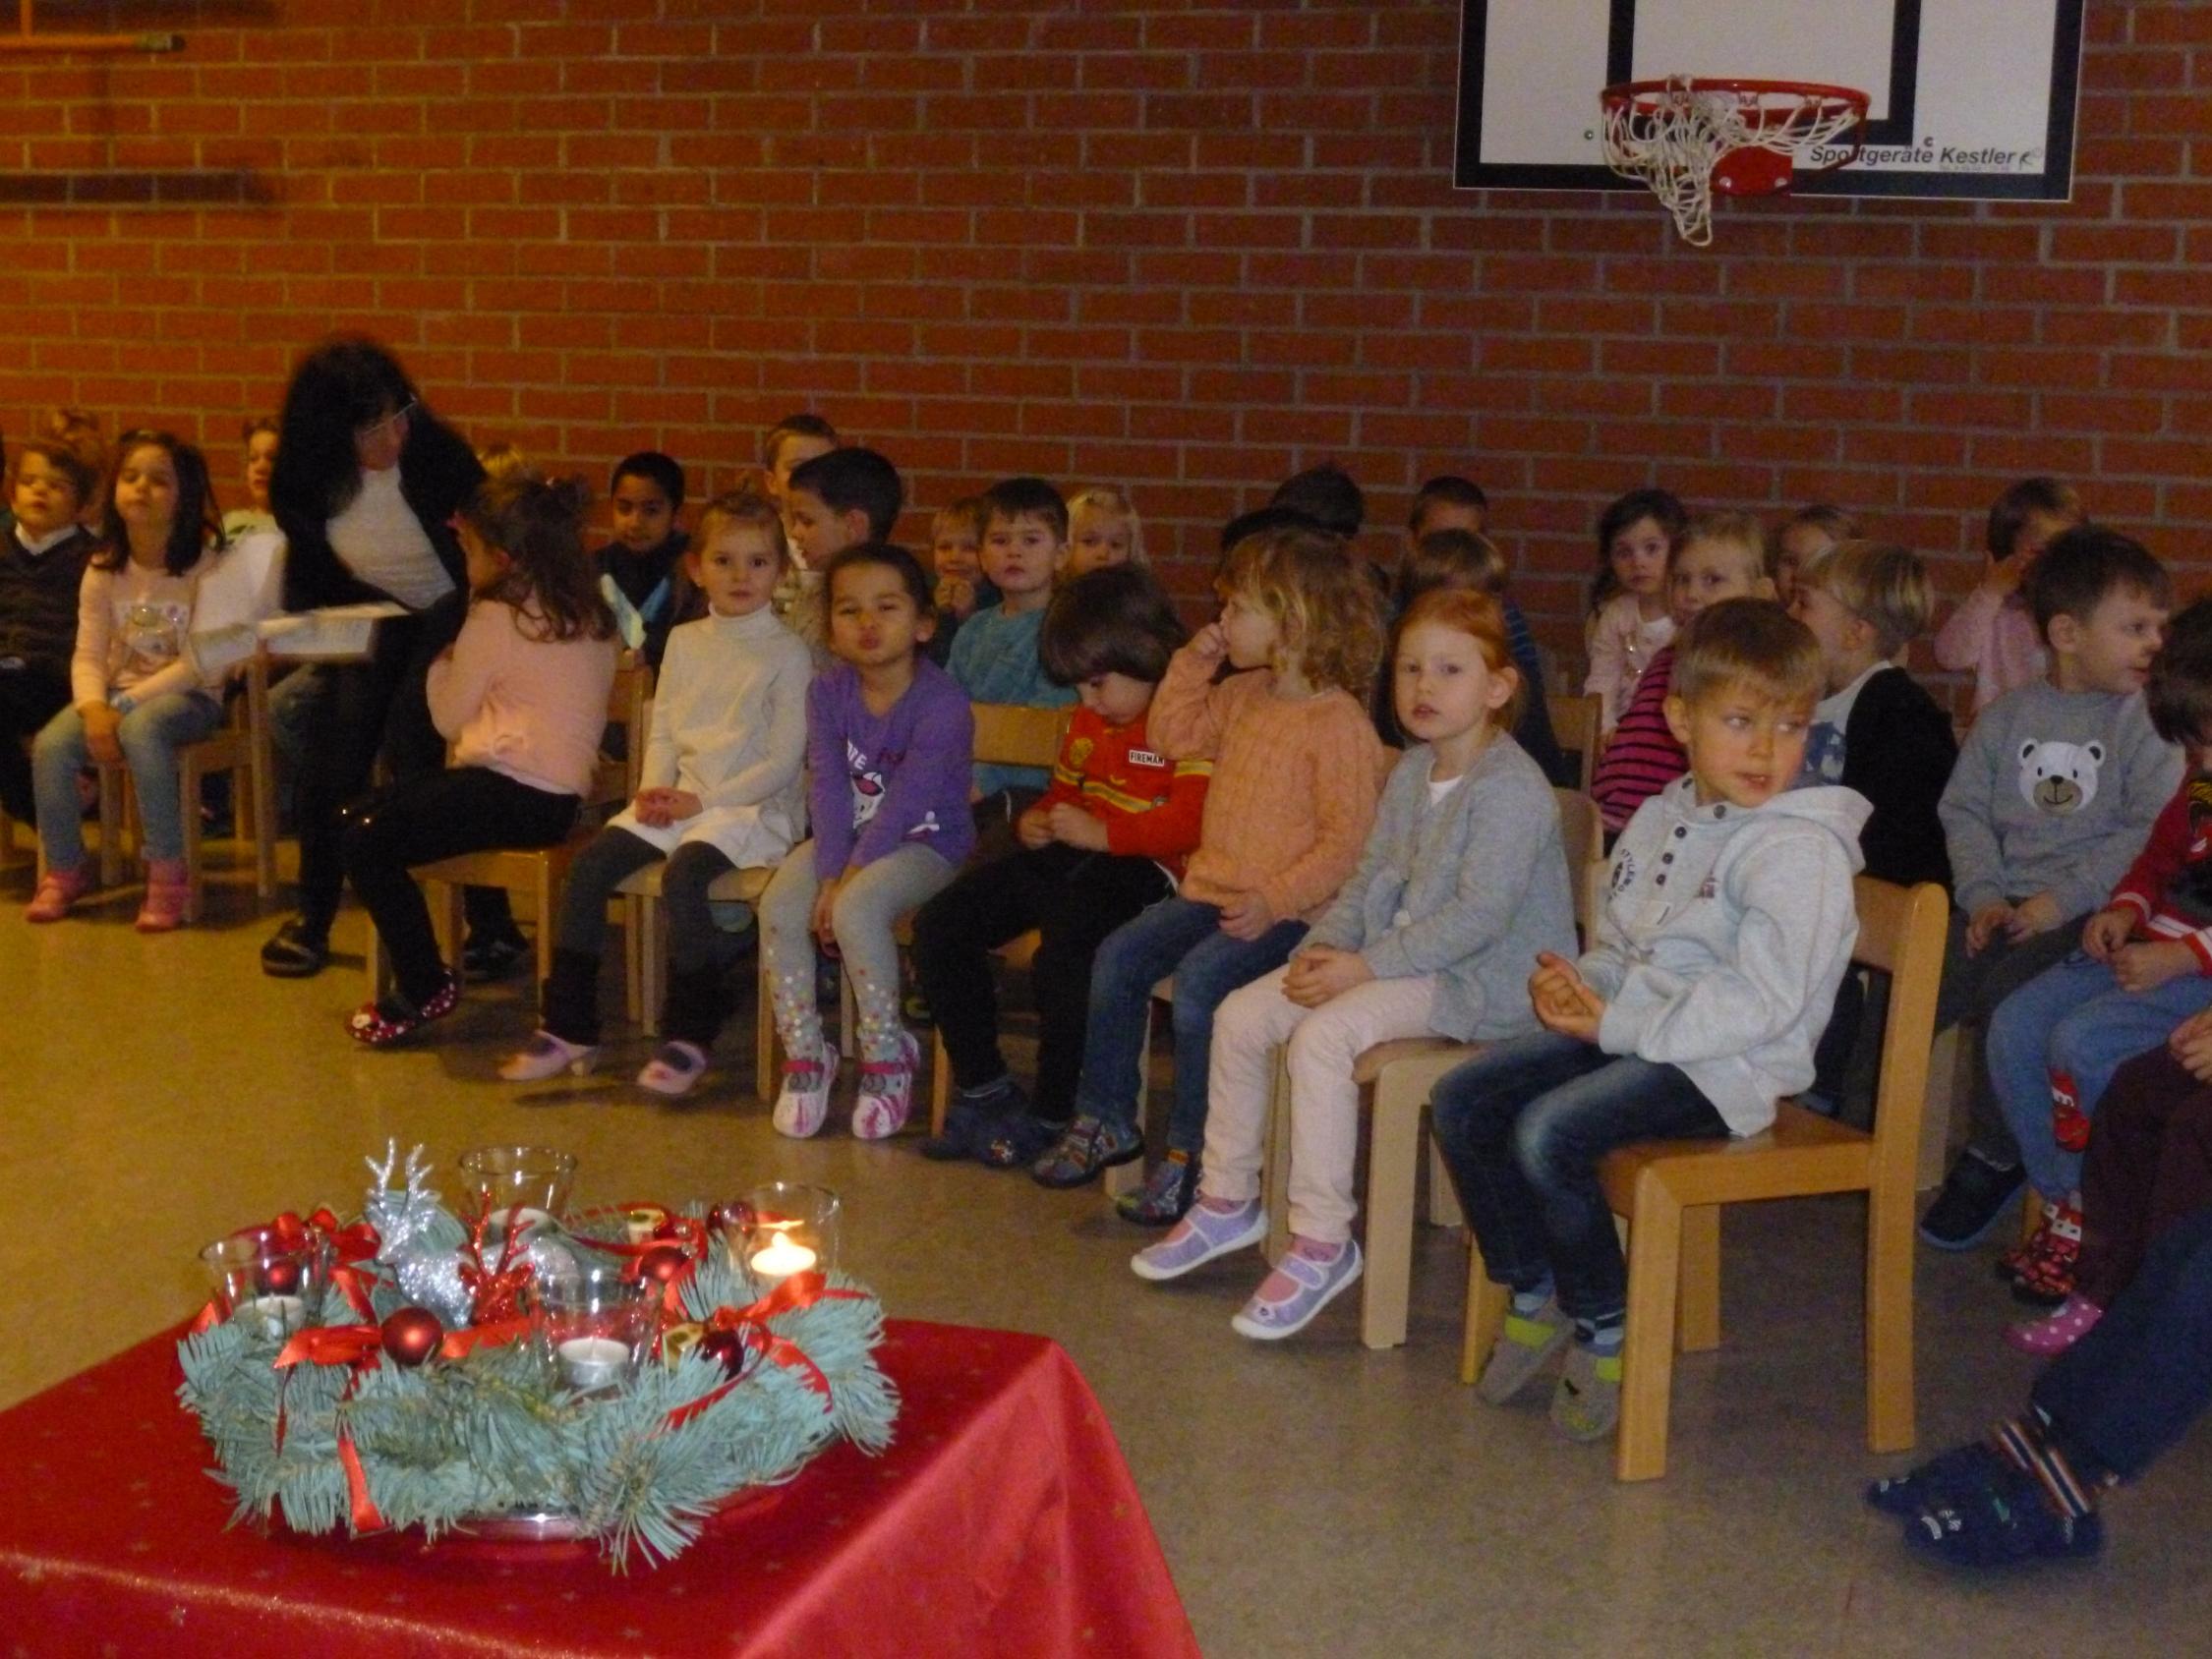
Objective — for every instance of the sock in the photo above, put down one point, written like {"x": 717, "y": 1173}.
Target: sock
{"x": 2027, "y": 1442}
{"x": 1313, "y": 1250}
{"x": 1224, "y": 1205}
{"x": 1602, "y": 1337}
{"x": 1527, "y": 1304}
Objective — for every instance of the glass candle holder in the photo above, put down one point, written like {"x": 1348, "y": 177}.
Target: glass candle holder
{"x": 599, "y": 1326}
{"x": 785, "y": 1227}
{"x": 521, "y": 1186}
{"x": 258, "y": 1275}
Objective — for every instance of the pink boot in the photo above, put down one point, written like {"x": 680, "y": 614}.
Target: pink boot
{"x": 2057, "y": 1333}
{"x": 58, "y": 889}
{"x": 167, "y": 892}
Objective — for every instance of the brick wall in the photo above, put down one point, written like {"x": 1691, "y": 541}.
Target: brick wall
{"x": 1185, "y": 248}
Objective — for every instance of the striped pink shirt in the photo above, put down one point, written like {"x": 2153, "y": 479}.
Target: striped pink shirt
{"x": 1643, "y": 756}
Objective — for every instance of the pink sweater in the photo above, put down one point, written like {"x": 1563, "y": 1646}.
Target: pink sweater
{"x": 131, "y": 624}
{"x": 529, "y": 707}
{"x": 1994, "y": 638}
{"x": 1294, "y": 790}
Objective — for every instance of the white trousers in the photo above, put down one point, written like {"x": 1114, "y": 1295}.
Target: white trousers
{"x": 1322, "y": 1046}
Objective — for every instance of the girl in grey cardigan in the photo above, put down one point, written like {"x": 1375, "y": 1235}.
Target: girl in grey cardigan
{"x": 1462, "y": 883}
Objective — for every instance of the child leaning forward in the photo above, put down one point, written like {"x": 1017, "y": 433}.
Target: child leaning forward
{"x": 1728, "y": 924}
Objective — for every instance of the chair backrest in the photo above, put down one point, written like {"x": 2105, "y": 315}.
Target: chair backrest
{"x": 628, "y": 704}
{"x": 1583, "y": 832}
{"x": 1575, "y": 723}
{"x": 1015, "y": 734}
{"x": 1901, "y": 931}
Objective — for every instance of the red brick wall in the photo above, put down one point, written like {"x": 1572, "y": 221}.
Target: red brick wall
{"x": 1185, "y": 248}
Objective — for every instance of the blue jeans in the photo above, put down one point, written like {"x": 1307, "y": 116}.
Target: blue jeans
{"x": 1523, "y": 1126}
{"x": 2074, "y": 1019}
{"x": 150, "y": 735}
{"x": 1183, "y": 937}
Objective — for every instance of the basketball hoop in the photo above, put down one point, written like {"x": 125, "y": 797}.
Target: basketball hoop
{"x": 1687, "y": 136}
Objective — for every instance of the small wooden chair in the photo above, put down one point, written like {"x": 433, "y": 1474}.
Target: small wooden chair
{"x": 1671, "y": 1193}
{"x": 539, "y": 870}
{"x": 1575, "y": 723}
{"x": 241, "y": 746}
{"x": 1399, "y": 1076}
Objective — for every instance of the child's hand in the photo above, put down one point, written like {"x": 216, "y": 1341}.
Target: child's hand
{"x": 2106, "y": 932}
{"x": 2190, "y": 1045}
{"x": 1034, "y": 829}
{"x": 1210, "y": 644}
{"x": 681, "y": 804}
{"x": 1986, "y": 923}
{"x": 1246, "y": 916}
{"x": 651, "y": 807}
{"x": 2002, "y": 577}
{"x": 1072, "y": 827}
{"x": 1320, "y": 973}
{"x": 100, "y": 721}
{"x": 825, "y": 903}
{"x": 956, "y": 595}
{"x": 2147, "y": 965}
{"x": 2032, "y": 916}
{"x": 1563, "y": 999}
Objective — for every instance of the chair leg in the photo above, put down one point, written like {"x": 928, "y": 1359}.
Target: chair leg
{"x": 764, "y": 1034}
{"x": 1274, "y": 1167}
{"x": 1697, "y": 1318}
{"x": 1890, "y": 1425}
{"x": 1444, "y": 1197}
{"x": 940, "y": 1082}
{"x": 653, "y": 965}
{"x": 549, "y": 899}
{"x": 1393, "y": 1167}
{"x": 2031, "y": 1212}
{"x": 1486, "y": 1317}
{"x": 1655, "y": 1265}
{"x": 261, "y": 792}
{"x": 111, "y": 826}
{"x": 188, "y": 791}
{"x": 633, "y": 908}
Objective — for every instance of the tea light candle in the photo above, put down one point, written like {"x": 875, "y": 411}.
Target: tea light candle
{"x": 521, "y": 1219}
{"x": 592, "y": 1362}
{"x": 280, "y": 1316}
{"x": 782, "y": 1256}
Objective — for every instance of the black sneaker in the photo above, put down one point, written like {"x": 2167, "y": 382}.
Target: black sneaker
{"x": 1019, "y": 1140}
{"x": 1972, "y": 1203}
{"x": 295, "y": 953}
{"x": 484, "y": 960}
{"x": 968, "y": 1127}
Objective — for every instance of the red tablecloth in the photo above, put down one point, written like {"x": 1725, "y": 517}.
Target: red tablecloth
{"x": 1002, "y": 1520}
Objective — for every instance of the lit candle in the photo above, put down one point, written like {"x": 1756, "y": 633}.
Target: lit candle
{"x": 782, "y": 1256}
{"x": 280, "y": 1316}
{"x": 588, "y": 1364}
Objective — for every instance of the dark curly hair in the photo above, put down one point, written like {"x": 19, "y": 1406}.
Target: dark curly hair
{"x": 550, "y": 578}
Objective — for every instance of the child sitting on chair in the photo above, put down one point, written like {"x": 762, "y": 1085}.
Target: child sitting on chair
{"x": 1728, "y": 925}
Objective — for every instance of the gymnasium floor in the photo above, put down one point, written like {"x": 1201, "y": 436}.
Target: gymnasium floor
{"x": 1312, "y": 1499}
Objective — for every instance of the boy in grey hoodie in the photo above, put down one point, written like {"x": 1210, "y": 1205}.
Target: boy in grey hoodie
{"x": 1729, "y": 926}
{"x": 2053, "y": 795}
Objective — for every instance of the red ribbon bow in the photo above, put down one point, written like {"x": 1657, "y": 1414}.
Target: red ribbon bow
{"x": 348, "y": 1247}
{"x": 750, "y": 1322}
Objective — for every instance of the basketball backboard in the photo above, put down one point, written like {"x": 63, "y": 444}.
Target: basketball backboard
{"x": 1968, "y": 99}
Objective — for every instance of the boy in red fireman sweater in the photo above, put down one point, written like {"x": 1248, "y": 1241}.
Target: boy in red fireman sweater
{"x": 1106, "y": 840}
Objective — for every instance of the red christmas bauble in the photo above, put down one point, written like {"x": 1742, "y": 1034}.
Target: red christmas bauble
{"x": 663, "y": 1262}
{"x": 279, "y": 1277}
{"x": 412, "y": 1334}
{"x": 727, "y": 1347}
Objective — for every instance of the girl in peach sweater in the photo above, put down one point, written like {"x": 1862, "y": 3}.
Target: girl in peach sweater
{"x": 521, "y": 696}
{"x": 1296, "y": 773}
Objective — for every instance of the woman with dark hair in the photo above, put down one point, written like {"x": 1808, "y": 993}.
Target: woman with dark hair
{"x": 366, "y": 481}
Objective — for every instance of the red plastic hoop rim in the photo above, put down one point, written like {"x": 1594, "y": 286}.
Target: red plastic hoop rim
{"x": 1627, "y": 92}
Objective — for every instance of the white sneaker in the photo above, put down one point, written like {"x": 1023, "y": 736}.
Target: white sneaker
{"x": 803, "y": 1102}
{"x": 887, "y": 1091}
{"x": 547, "y": 1056}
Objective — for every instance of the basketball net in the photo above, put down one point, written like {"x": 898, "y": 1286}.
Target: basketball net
{"x": 1686, "y": 138}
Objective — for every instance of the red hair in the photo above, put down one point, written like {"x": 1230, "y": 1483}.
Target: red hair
{"x": 1478, "y": 616}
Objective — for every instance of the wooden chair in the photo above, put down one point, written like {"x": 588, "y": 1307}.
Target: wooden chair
{"x": 240, "y": 746}
{"x": 539, "y": 870}
{"x": 1575, "y": 723}
{"x": 1671, "y": 1192}
{"x": 1399, "y": 1076}
{"x": 1013, "y": 734}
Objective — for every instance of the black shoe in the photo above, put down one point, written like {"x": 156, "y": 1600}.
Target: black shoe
{"x": 1972, "y": 1203}
{"x": 974, "y": 1122}
{"x": 295, "y": 953}
{"x": 486, "y": 959}
{"x": 1020, "y": 1138}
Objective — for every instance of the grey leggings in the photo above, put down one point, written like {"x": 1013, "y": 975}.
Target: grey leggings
{"x": 867, "y": 907}
{"x": 612, "y": 857}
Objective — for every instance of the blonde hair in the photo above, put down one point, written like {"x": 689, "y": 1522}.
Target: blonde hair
{"x": 503, "y": 461}
{"x": 1884, "y": 586}
{"x": 742, "y": 509}
{"x": 1331, "y": 628}
{"x": 1477, "y": 614}
{"x": 1108, "y": 498}
{"x": 1739, "y": 530}
{"x": 1751, "y": 642}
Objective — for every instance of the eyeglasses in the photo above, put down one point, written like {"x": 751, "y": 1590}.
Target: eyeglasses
{"x": 377, "y": 428}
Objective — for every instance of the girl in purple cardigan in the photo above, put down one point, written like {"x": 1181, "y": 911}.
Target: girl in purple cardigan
{"x": 889, "y": 740}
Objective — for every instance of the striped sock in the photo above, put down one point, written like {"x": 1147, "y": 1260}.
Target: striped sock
{"x": 2026, "y": 1442}
{"x": 1602, "y": 1337}
{"x": 1527, "y": 1304}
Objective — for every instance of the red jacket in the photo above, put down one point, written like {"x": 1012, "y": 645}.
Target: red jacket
{"x": 1151, "y": 806}
{"x": 2169, "y": 884}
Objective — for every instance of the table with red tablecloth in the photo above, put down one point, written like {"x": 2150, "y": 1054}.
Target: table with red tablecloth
{"x": 1002, "y": 1520}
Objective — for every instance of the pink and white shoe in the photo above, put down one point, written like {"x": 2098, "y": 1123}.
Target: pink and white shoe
{"x": 547, "y": 1056}
{"x": 674, "y": 1069}
{"x": 168, "y": 895}
{"x": 887, "y": 1091}
{"x": 2044, "y": 1338}
{"x": 1305, "y": 1281}
{"x": 58, "y": 889}
{"x": 803, "y": 1102}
